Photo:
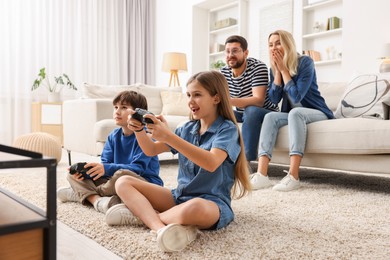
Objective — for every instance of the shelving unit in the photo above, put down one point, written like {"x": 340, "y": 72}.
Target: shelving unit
{"x": 327, "y": 42}
{"x": 26, "y": 231}
{"x": 208, "y": 37}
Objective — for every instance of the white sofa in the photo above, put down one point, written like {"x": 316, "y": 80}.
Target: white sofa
{"x": 349, "y": 144}
{"x": 88, "y": 121}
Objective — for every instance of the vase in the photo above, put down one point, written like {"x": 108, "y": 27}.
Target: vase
{"x": 53, "y": 97}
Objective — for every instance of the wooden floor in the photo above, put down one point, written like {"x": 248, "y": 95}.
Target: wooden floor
{"x": 73, "y": 245}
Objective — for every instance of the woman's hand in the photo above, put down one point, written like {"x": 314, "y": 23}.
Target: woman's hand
{"x": 277, "y": 59}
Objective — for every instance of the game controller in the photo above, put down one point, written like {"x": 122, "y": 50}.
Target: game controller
{"x": 79, "y": 168}
{"x": 139, "y": 115}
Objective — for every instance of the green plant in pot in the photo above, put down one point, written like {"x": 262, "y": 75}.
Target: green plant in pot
{"x": 53, "y": 88}
{"x": 217, "y": 65}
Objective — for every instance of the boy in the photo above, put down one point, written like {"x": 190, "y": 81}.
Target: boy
{"x": 121, "y": 156}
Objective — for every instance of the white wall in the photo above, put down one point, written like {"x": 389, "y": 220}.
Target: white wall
{"x": 364, "y": 31}
{"x": 173, "y": 34}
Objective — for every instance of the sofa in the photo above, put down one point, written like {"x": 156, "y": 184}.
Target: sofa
{"x": 357, "y": 144}
{"x": 87, "y": 121}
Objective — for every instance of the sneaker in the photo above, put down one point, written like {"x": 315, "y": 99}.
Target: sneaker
{"x": 175, "y": 237}
{"x": 288, "y": 183}
{"x": 121, "y": 215}
{"x": 259, "y": 181}
{"x": 104, "y": 203}
{"x": 67, "y": 195}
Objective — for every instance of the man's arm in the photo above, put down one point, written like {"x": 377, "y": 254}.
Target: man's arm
{"x": 257, "y": 99}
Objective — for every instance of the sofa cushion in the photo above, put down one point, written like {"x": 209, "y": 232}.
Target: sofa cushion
{"x": 332, "y": 93}
{"x": 152, "y": 93}
{"x": 175, "y": 121}
{"x": 343, "y": 136}
{"x": 364, "y": 96}
{"x": 174, "y": 103}
{"x": 103, "y": 128}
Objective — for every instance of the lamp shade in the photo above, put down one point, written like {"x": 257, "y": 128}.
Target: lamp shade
{"x": 385, "y": 56}
{"x": 385, "y": 51}
{"x": 174, "y": 61}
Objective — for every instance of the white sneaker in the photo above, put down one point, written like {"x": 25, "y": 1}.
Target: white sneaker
{"x": 259, "y": 181}
{"x": 288, "y": 183}
{"x": 121, "y": 215}
{"x": 175, "y": 237}
{"x": 67, "y": 195}
{"x": 104, "y": 203}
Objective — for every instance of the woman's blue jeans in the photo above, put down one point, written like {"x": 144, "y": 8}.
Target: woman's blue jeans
{"x": 251, "y": 120}
{"x": 297, "y": 120}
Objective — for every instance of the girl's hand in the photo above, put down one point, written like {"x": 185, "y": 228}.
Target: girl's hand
{"x": 159, "y": 130}
{"x": 133, "y": 124}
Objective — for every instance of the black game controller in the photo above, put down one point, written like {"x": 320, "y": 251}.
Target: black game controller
{"x": 139, "y": 115}
{"x": 79, "y": 168}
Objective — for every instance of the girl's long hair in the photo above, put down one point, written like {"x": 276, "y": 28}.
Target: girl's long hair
{"x": 290, "y": 58}
{"x": 215, "y": 83}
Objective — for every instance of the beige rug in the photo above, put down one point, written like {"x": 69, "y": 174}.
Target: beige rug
{"x": 333, "y": 216}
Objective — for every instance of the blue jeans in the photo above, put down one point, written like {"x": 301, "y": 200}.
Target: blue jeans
{"x": 297, "y": 120}
{"x": 251, "y": 120}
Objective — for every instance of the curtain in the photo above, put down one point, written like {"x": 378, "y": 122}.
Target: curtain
{"x": 140, "y": 32}
{"x": 90, "y": 40}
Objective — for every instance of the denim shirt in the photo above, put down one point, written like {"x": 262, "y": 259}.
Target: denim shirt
{"x": 301, "y": 90}
{"x": 194, "y": 181}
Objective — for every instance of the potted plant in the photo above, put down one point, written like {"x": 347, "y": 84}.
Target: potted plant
{"x": 217, "y": 65}
{"x": 53, "y": 88}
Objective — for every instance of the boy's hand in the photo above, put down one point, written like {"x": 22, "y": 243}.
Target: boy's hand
{"x": 77, "y": 176}
{"x": 97, "y": 170}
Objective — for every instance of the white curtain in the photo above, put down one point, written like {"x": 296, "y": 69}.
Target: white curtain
{"x": 88, "y": 40}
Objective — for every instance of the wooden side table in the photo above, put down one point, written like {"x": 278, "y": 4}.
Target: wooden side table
{"x": 47, "y": 117}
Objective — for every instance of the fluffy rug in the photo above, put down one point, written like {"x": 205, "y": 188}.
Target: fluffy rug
{"x": 333, "y": 216}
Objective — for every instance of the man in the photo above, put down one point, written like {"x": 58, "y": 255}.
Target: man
{"x": 248, "y": 87}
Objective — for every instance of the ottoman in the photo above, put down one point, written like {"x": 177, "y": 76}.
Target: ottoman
{"x": 40, "y": 142}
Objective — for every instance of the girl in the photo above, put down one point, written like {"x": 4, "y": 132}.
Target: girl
{"x": 293, "y": 79}
{"x": 212, "y": 164}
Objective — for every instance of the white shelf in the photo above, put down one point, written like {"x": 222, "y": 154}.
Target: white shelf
{"x": 225, "y": 29}
{"x": 216, "y": 54}
{"x": 327, "y": 42}
{"x": 327, "y": 62}
{"x": 323, "y": 34}
{"x": 224, "y": 7}
{"x": 208, "y": 12}
{"x": 320, "y": 5}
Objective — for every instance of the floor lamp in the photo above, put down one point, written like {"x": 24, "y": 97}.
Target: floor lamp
{"x": 174, "y": 62}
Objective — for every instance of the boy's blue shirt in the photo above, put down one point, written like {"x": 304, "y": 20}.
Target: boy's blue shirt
{"x": 124, "y": 152}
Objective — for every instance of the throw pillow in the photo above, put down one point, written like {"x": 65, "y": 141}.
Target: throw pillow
{"x": 174, "y": 103}
{"x": 364, "y": 96}
{"x": 103, "y": 91}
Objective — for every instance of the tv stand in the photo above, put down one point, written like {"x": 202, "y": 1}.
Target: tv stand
{"x": 26, "y": 231}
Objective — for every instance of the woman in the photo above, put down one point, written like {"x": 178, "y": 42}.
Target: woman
{"x": 292, "y": 80}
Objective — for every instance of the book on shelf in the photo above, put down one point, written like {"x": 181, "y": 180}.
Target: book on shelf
{"x": 333, "y": 23}
{"x": 315, "y": 55}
